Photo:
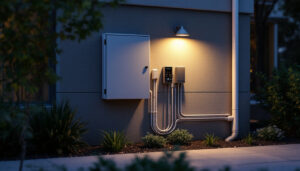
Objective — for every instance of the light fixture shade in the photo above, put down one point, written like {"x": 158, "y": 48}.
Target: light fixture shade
{"x": 181, "y": 32}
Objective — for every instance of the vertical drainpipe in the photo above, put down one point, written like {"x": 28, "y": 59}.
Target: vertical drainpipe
{"x": 235, "y": 70}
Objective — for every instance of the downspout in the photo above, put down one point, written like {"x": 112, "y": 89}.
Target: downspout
{"x": 235, "y": 70}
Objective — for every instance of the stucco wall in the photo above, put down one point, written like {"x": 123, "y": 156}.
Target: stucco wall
{"x": 206, "y": 54}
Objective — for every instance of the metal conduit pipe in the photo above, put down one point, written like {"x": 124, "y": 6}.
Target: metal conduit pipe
{"x": 176, "y": 113}
{"x": 154, "y": 124}
{"x": 181, "y": 114}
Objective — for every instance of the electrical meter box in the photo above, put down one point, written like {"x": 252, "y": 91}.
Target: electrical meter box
{"x": 125, "y": 66}
{"x": 167, "y": 75}
{"x": 179, "y": 74}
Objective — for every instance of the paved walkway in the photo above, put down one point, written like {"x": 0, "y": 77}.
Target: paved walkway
{"x": 277, "y": 158}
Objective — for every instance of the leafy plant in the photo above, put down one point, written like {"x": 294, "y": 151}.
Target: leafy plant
{"x": 249, "y": 139}
{"x": 11, "y": 118}
{"x": 114, "y": 141}
{"x": 281, "y": 96}
{"x": 271, "y": 133}
{"x": 210, "y": 140}
{"x": 56, "y": 130}
{"x": 154, "y": 141}
{"x": 180, "y": 137}
{"x": 166, "y": 162}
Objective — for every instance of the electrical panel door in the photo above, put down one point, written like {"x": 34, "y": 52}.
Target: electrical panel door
{"x": 125, "y": 66}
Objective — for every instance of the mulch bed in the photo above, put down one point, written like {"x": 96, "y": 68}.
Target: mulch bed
{"x": 195, "y": 145}
{"x": 139, "y": 148}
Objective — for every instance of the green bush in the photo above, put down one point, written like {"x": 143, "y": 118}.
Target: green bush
{"x": 249, "y": 139}
{"x": 167, "y": 162}
{"x": 270, "y": 133}
{"x": 154, "y": 141}
{"x": 104, "y": 164}
{"x": 280, "y": 95}
{"x": 164, "y": 163}
{"x": 114, "y": 141}
{"x": 56, "y": 131}
{"x": 10, "y": 130}
{"x": 210, "y": 140}
{"x": 180, "y": 137}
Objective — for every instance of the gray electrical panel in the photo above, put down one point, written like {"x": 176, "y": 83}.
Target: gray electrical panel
{"x": 125, "y": 66}
{"x": 179, "y": 74}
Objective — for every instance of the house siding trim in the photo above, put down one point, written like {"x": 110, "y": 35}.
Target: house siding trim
{"x": 245, "y": 6}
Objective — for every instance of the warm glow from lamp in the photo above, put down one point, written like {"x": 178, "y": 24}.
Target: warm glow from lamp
{"x": 178, "y": 44}
{"x": 203, "y": 61}
{"x": 181, "y": 32}
{"x": 181, "y": 50}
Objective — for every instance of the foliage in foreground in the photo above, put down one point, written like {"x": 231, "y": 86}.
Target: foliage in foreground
{"x": 281, "y": 96}
{"x": 57, "y": 131}
{"x": 167, "y": 162}
{"x": 113, "y": 141}
{"x": 210, "y": 140}
{"x": 270, "y": 133}
{"x": 11, "y": 119}
{"x": 154, "y": 141}
{"x": 180, "y": 137}
{"x": 104, "y": 164}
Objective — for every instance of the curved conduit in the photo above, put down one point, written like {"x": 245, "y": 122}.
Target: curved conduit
{"x": 176, "y": 104}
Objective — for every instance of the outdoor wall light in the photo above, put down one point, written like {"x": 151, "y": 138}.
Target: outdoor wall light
{"x": 181, "y": 32}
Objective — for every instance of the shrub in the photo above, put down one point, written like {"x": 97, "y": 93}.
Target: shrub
{"x": 104, "y": 164}
{"x": 248, "y": 139}
{"x": 281, "y": 96}
{"x": 166, "y": 162}
{"x": 271, "y": 133}
{"x": 154, "y": 141}
{"x": 210, "y": 140}
{"x": 114, "y": 141}
{"x": 11, "y": 120}
{"x": 56, "y": 131}
{"x": 180, "y": 137}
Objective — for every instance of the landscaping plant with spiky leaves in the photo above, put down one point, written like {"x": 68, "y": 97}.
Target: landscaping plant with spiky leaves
{"x": 57, "y": 131}
{"x": 114, "y": 141}
{"x": 211, "y": 140}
